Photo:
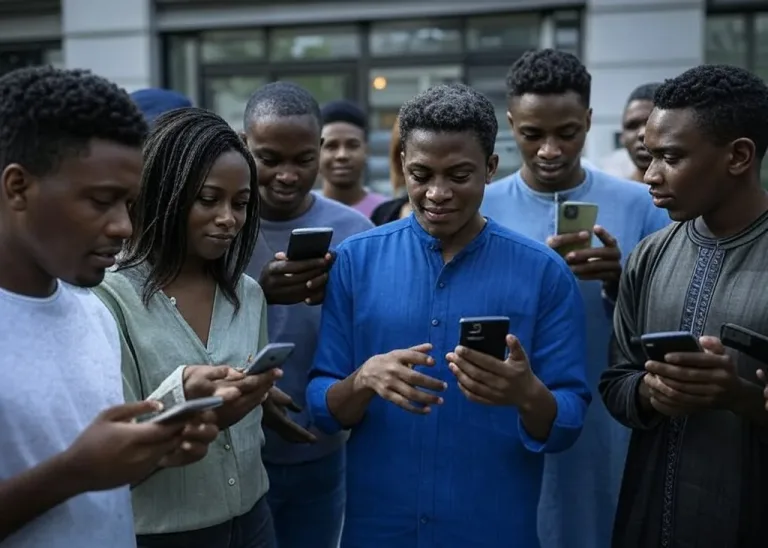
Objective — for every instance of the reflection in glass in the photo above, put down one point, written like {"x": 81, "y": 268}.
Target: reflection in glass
{"x": 323, "y": 87}
{"x": 517, "y": 32}
{"x": 227, "y": 97}
{"x": 308, "y": 43}
{"x": 229, "y": 46}
{"x": 419, "y": 37}
{"x": 182, "y": 68}
{"x": 726, "y": 40}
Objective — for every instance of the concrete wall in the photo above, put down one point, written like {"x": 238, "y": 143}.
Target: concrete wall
{"x": 632, "y": 42}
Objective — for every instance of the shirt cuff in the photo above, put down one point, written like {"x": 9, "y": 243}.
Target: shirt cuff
{"x": 317, "y": 403}
{"x": 566, "y": 427}
{"x": 171, "y": 390}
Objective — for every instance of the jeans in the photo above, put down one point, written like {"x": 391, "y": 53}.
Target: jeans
{"x": 307, "y": 501}
{"x": 254, "y": 529}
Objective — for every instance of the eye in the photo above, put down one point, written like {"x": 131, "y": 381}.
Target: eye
{"x": 206, "y": 200}
{"x": 269, "y": 162}
{"x": 420, "y": 177}
{"x": 460, "y": 177}
{"x": 569, "y": 135}
{"x": 240, "y": 205}
{"x": 671, "y": 160}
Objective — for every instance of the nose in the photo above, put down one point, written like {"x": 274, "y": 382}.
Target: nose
{"x": 641, "y": 133}
{"x": 225, "y": 217}
{"x": 342, "y": 153}
{"x": 120, "y": 228}
{"x": 439, "y": 193}
{"x": 550, "y": 150}
{"x": 287, "y": 177}
{"x": 652, "y": 175}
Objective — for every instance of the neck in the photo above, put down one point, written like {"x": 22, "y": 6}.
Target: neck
{"x": 572, "y": 181}
{"x": 458, "y": 241}
{"x": 738, "y": 212}
{"x": 20, "y": 275}
{"x": 351, "y": 195}
{"x": 193, "y": 272}
{"x": 270, "y": 214}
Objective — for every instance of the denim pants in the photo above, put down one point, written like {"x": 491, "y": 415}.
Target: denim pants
{"x": 307, "y": 501}
{"x": 254, "y": 529}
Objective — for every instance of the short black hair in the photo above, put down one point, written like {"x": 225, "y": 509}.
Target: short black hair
{"x": 48, "y": 114}
{"x": 281, "y": 99}
{"x": 644, "y": 92}
{"x": 728, "y": 102}
{"x": 549, "y": 72}
{"x": 450, "y": 108}
{"x": 178, "y": 156}
{"x": 344, "y": 111}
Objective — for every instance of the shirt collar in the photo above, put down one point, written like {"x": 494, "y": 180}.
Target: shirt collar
{"x": 434, "y": 244}
{"x": 571, "y": 195}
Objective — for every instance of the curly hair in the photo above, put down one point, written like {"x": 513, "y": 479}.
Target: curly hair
{"x": 49, "y": 114}
{"x": 179, "y": 154}
{"x": 728, "y": 102}
{"x": 549, "y": 72}
{"x": 281, "y": 99}
{"x": 450, "y": 108}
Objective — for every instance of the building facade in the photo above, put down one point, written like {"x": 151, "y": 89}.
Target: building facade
{"x": 380, "y": 52}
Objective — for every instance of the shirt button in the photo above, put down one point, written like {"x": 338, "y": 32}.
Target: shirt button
{"x": 227, "y": 447}
{"x": 441, "y": 285}
{"x": 435, "y": 322}
{"x": 231, "y": 481}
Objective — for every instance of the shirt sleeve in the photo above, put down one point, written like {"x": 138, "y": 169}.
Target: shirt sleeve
{"x": 334, "y": 357}
{"x": 619, "y": 384}
{"x": 559, "y": 359}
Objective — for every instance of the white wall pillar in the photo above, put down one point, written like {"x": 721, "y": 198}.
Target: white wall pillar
{"x": 113, "y": 38}
{"x": 634, "y": 42}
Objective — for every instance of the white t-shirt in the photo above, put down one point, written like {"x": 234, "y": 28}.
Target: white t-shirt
{"x": 59, "y": 368}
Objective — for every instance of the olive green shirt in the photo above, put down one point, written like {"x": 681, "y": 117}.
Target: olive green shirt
{"x": 156, "y": 345}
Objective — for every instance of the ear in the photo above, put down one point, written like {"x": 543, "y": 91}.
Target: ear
{"x": 402, "y": 161}
{"x": 588, "y": 121}
{"x": 742, "y": 156}
{"x": 493, "y": 165}
{"x": 15, "y": 183}
{"x": 510, "y": 121}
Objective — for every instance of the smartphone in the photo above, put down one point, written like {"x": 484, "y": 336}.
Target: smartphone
{"x": 185, "y": 409}
{"x": 745, "y": 340}
{"x": 271, "y": 356}
{"x": 574, "y": 217}
{"x": 486, "y": 334}
{"x": 309, "y": 243}
{"x": 658, "y": 345}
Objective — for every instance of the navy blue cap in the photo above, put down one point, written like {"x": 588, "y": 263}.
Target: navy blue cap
{"x": 153, "y": 102}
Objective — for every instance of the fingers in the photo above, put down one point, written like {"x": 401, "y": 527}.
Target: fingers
{"x": 423, "y": 348}
{"x": 253, "y": 383}
{"x": 129, "y": 411}
{"x": 712, "y": 345}
{"x": 605, "y": 237}
{"x": 227, "y": 392}
{"x": 680, "y": 374}
{"x": 560, "y": 240}
{"x": 414, "y": 378}
{"x": 516, "y": 351}
{"x": 280, "y": 397}
{"x": 203, "y": 433}
{"x": 217, "y": 372}
{"x": 404, "y": 402}
{"x": 413, "y": 357}
{"x": 471, "y": 396}
{"x": 477, "y": 390}
{"x": 281, "y": 267}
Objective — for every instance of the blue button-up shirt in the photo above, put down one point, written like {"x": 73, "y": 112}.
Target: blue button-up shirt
{"x": 465, "y": 475}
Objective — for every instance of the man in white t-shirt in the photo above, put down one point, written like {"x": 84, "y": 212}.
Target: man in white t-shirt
{"x": 70, "y": 164}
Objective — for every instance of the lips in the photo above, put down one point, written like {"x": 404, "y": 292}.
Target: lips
{"x": 550, "y": 168}
{"x": 662, "y": 200}
{"x": 438, "y": 215}
{"x": 223, "y": 237}
{"x": 284, "y": 194}
{"x": 105, "y": 258}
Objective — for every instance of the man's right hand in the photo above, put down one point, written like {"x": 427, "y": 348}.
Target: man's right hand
{"x": 253, "y": 390}
{"x": 202, "y": 381}
{"x": 115, "y": 450}
{"x": 392, "y": 377}
{"x": 291, "y": 282}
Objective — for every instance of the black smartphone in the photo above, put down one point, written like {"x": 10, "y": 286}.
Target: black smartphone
{"x": 746, "y": 341}
{"x": 309, "y": 243}
{"x": 486, "y": 334}
{"x": 658, "y": 345}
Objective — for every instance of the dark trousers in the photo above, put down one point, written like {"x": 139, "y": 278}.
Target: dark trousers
{"x": 254, "y": 529}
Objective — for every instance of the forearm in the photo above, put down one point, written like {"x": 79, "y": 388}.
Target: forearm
{"x": 750, "y": 404}
{"x": 539, "y": 411}
{"x": 34, "y": 492}
{"x": 627, "y": 398}
{"x": 348, "y": 400}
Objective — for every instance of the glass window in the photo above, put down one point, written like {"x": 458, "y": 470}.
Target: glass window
{"x": 182, "y": 70}
{"x": 231, "y": 46}
{"x": 491, "y": 82}
{"x": 323, "y": 87}
{"x": 726, "y": 40}
{"x": 388, "y": 89}
{"x": 515, "y": 32}
{"x": 228, "y": 96}
{"x": 54, "y": 57}
{"x": 417, "y": 37}
{"x": 761, "y": 45}
{"x": 310, "y": 43}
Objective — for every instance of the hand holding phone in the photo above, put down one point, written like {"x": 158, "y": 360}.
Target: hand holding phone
{"x": 271, "y": 356}
{"x": 573, "y": 220}
{"x": 658, "y": 345}
{"x": 486, "y": 334}
{"x": 309, "y": 243}
{"x": 751, "y": 344}
{"x": 186, "y": 410}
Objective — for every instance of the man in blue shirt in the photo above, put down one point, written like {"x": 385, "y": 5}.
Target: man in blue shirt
{"x": 549, "y": 98}
{"x": 447, "y": 444}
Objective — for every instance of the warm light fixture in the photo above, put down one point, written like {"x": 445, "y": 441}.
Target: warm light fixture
{"x": 379, "y": 83}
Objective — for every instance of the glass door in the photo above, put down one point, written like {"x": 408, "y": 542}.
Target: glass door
{"x": 228, "y": 95}
{"x": 324, "y": 86}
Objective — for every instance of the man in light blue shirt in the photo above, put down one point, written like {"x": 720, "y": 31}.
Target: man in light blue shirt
{"x": 447, "y": 445}
{"x": 549, "y": 93}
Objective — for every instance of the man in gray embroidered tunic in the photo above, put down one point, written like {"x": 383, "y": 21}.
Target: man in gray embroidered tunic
{"x": 697, "y": 470}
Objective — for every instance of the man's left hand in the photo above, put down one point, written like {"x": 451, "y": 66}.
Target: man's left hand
{"x": 594, "y": 263}
{"x": 698, "y": 380}
{"x": 488, "y": 380}
{"x": 276, "y": 417}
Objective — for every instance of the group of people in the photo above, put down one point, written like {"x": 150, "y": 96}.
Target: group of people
{"x": 143, "y": 264}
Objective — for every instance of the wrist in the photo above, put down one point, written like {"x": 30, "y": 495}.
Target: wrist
{"x": 69, "y": 474}
{"x": 360, "y": 383}
{"x": 533, "y": 393}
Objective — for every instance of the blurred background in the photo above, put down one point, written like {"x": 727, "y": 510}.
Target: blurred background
{"x": 380, "y": 53}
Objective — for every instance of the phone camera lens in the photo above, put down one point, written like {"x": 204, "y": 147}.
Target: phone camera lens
{"x": 571, "y": 212}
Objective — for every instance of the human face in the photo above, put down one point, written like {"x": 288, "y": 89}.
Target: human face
{"x": 70, "y": 224}
{"x": 220, "y": 209}
{"x": 550, "y": 131}
{"x": 689, "y": 175}
{"x": 633, "y": 132}
{"x": 445, "y": 175}
{"x": 286, "y": 150}
{"x": 342, "y": 154}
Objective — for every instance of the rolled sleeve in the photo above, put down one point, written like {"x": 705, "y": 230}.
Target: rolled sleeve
{"x": 559, "y": 359}
{"x": 171, "y": 390}
{"x": 317, "y": 392}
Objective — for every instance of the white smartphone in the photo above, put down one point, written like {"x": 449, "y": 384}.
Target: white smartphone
{"x": 184, "y": 409}
{"x": 271, "y": 356}
{"x": 309, "y": 243}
